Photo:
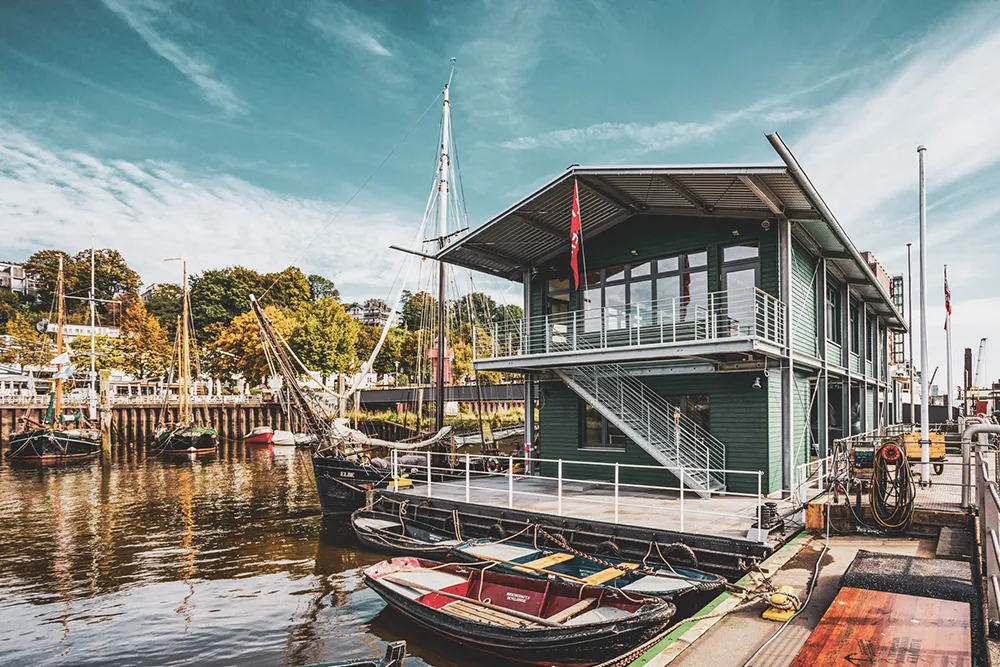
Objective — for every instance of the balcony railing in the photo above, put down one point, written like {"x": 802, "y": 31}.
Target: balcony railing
{"x": 748, "y": 313}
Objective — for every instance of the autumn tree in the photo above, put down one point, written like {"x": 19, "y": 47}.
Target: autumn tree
{"x": 418, "y": 310}
{"x": 165, "y": 305}
{"x": 289, "y": 289}
{"x": 145, "y": 347}
{"x": 11, "y": 305}
{"x": 234, "y": 349}
{"x": 24, "y": 345}
{"x": 107, "y": 354}
{"x": 392, "y": 348}
{"x": 44, "y": 266}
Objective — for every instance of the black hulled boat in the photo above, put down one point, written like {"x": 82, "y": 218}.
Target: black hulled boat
{"x": 398, "y": 535}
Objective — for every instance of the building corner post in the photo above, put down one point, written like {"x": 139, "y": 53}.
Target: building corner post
{"x": 787, "y": 371}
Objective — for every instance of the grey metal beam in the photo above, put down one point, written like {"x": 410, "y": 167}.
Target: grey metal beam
{"x": 837, "y": 254}
{"x": 607, "y": 191}
{"x": 788, "y": 368}
{"x": 513, "y": 262}
{"x": 540, "y": 226}
{"x": 823, "y": 378}
{"x": 733, "y": 213}
{"x": 689, "y": 196}
{"x": 764, "y": 194}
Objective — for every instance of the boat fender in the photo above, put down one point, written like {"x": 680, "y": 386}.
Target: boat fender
{"x": 497, "y": 531}
{"x": 609, "y": 548}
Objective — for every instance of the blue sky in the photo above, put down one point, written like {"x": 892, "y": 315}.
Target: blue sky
{"x": 233, "y": 131}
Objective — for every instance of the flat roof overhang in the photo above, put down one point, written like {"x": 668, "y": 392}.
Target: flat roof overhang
{"x": 535, "y": 230}
{"x": 667, "y": 352}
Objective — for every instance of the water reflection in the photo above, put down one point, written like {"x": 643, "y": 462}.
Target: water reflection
{"x": 211, "y": 562}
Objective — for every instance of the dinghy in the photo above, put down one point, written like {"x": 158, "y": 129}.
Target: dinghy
{"x": 519, "y": 618}
{"x": 400, "y": 536}
{"x": 663, "y": 580}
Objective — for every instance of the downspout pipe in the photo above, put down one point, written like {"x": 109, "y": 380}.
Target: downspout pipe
{"x": 970, "y": 432}
{"x": 799, "y": 176}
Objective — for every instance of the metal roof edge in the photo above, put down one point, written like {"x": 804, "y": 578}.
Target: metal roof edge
{"x": 799, "y": 175}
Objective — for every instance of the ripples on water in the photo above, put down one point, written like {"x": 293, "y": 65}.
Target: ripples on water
{"x": 216, "y": 562}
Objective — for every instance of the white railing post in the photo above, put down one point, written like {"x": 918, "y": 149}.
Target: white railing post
{"x": 680, "y": 486}
{"x": 559, "y": 475}
{"x": 708, "y": 474}
{"x": 548, "y": 335}
{"x": 760, "y": 488}
{"x": 428, "y": 453}
{"x": 467, "y": 488}
{"x": 575, "y": 318}
{"x": 616, "y": 491}
{"x": 673, "y": 320}
{"x": 395, "y": 469}
{"x": 510, "y": 482}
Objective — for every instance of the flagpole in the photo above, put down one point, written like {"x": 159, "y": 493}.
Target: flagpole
{"x": 925, "y": 443}
{"x": 947, "y": 327}
{"x": 909, "y": 322}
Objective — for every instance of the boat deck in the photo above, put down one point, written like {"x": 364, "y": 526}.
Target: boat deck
{"x": 721, "y": 515}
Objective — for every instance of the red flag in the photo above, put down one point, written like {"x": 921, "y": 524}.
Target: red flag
{"x": 575, "y": 233}
{"x": 947, "y": 297}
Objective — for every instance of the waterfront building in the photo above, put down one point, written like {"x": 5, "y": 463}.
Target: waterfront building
{"x": 723, "y": 320}
{"x": 149, "y": 291}
{"x": 15, "y": 278}
{"x": 373, "y": 312}
{"x": 73, "y": 331}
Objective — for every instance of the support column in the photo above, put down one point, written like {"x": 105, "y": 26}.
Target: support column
{"x": 823, "y": 377}
{"x": 845, "y": 393}
{"x": 529, "y": 382}
{"x": 863, "y": 357}
{"x": 788, "y": 368}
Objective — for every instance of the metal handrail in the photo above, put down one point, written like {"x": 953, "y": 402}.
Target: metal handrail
{"x": 748, "y": 312}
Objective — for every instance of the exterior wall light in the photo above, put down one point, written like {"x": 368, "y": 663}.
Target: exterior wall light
{"x": 756, "y": 383}
{"x": 766, "y": 225}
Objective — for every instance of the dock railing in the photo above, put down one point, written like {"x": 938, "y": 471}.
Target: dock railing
{"x": 469, "y": 481}
{"x": 146, "y": 399}
{"x": 988, "y": 503}
{"x": 748, "y": 312}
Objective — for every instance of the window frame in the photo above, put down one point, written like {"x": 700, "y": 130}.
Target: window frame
{"x": 834, "y": 303}
{"x": 606, "y": 432}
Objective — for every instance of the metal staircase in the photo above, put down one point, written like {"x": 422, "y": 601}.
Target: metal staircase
{"x": 649, "y": 420}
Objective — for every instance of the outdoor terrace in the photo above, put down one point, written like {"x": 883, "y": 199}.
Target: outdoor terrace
{"x": 717, "y": 323}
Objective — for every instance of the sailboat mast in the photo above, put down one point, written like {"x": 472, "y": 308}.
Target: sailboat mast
{"x": 93, "y": 343}
{"x": 184, "y": 406}
{"x": 443, "y": 189}
{"x": 57, "y": 415}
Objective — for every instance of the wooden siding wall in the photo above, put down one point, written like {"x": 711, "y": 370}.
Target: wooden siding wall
{"x": 804, "y": 300}
{"x": 739, "y": 416}
{"x": 653, "y": 236}
{"x": 802, "y": 447}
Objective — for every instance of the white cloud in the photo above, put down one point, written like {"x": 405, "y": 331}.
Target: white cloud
{"x": 143, "y": 17}
{"x": 151, "y": 210}
{"x": 494, "y": 66}
{"x": 861, "y": 153}
{"x": 351, "y": 28}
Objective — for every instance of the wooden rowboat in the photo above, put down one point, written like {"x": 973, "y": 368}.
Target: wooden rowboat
{"x": 662, "y": 579}
{"x": 400, "y": 536}
{"x": 524, "y": 619}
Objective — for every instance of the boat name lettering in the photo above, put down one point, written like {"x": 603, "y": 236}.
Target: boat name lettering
{"x": 346, "y": 473}
{"x": 518, "y": 597}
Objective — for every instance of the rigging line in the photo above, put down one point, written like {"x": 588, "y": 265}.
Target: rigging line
{"x": 356, "y": 192}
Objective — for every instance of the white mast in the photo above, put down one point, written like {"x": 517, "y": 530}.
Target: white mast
{"x": 443, "y": 191}
{"x": 947, "y": 326}
{"x": 925, "y": 442}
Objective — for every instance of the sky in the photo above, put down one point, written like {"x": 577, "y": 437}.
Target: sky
{"x": 240, "y": 131}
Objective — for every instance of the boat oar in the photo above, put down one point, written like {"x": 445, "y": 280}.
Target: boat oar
{"x": 488, "y": 605}
{"x": 533, "y": 568}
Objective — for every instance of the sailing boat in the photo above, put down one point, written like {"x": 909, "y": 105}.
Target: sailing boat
{"x": 183, "y": 436}
{"x": 52, "y": 441}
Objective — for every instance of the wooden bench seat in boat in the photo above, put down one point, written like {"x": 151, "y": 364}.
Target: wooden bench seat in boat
{"x": 609, "y": 574}
{"x": 548, "y": 561}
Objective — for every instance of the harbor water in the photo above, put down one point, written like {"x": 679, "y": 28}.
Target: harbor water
{"x": 221, "y": 561}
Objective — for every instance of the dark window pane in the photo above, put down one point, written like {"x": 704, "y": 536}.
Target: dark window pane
{"x": 592, "y": 278}
{"x": 559, "y": 303}
{"x": 697, "y": 409}
{"x": 742, "y": 251}
{"x": 593, "y": 432}
{"x": 640, "y": 270}
{"x": 614, "y": 274}
{"x": 667, "y": 264}
{"x": 697, "y": 259}
{"x": 557, "y": 284}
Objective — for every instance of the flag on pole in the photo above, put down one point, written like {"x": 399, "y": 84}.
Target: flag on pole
{"x": 60, "y": 360}
{"x": 575, "y": 232}
{"x": 947, "y": 298}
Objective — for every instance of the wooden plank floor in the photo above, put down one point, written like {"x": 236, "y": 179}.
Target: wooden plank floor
{"x": 870, "y": 628}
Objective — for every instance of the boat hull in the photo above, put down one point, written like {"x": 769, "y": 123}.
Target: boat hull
{"x": 188, "y": 440}
{"x": 51, "y": 447}
{"x": 569, "y": 645}
{"x": 384, "y": 533}
{"x": 259, "y": 437}
{"x": 343, "y": 483}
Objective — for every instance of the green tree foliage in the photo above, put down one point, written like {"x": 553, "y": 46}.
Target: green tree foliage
{"x": 107, "y": 354}
{"x": 11, "y": 305}
{"x": 392, "y": 349}
{"x": 144, "y": 345}
{"x": 322, "y": 288}
{"x": 44, "y": 265}
{"x": 418, "y": 310}
{"x": 219, "y": 295}
{"x": 325, "y": 338}
{"x": 23, "y": 345}
{"x": 289, "y": 289}
{"x": 112, "y": 276}
{"x": 165, "y": 305}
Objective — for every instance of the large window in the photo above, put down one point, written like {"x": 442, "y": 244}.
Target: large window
{"x": 833, "y": 311}
{"x": 598, "y": 432}
{"x": 693, "y": 406}
{"x": 740, "y": 276}
{"x": 633, "y": 294}
{"x": 557, "y": 295}
{"x": 872, "y": 338}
